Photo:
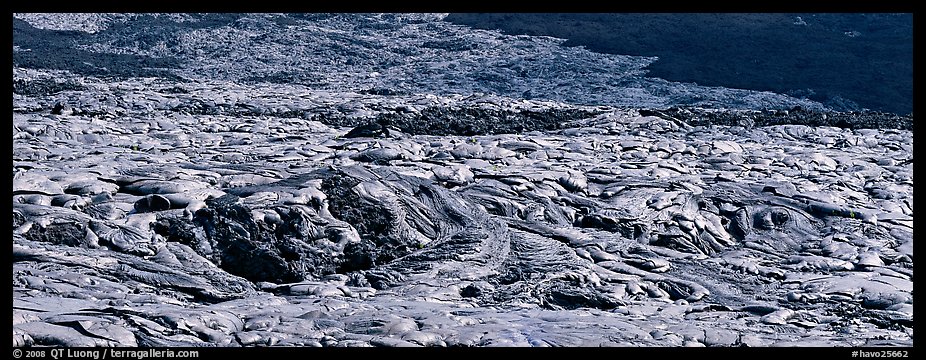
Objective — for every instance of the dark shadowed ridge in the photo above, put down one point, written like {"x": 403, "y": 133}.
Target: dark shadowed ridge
{"x": 847, "y": 61}
{"x": 49, "y": 49}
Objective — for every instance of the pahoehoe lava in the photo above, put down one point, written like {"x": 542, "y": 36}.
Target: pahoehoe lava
{"x": 152, "y": 211}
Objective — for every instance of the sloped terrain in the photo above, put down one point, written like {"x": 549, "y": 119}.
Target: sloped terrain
{"x": 384, "y": 53}
{"x": 848, "y": 61}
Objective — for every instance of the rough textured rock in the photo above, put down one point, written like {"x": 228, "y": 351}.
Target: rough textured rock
{"x": 227, "y": 213}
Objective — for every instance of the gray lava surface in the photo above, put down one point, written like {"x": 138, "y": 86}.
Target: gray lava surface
{"x": 215, "y": 211}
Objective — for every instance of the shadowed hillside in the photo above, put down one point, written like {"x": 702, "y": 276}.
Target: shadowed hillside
{"x": 848, "y": 61}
